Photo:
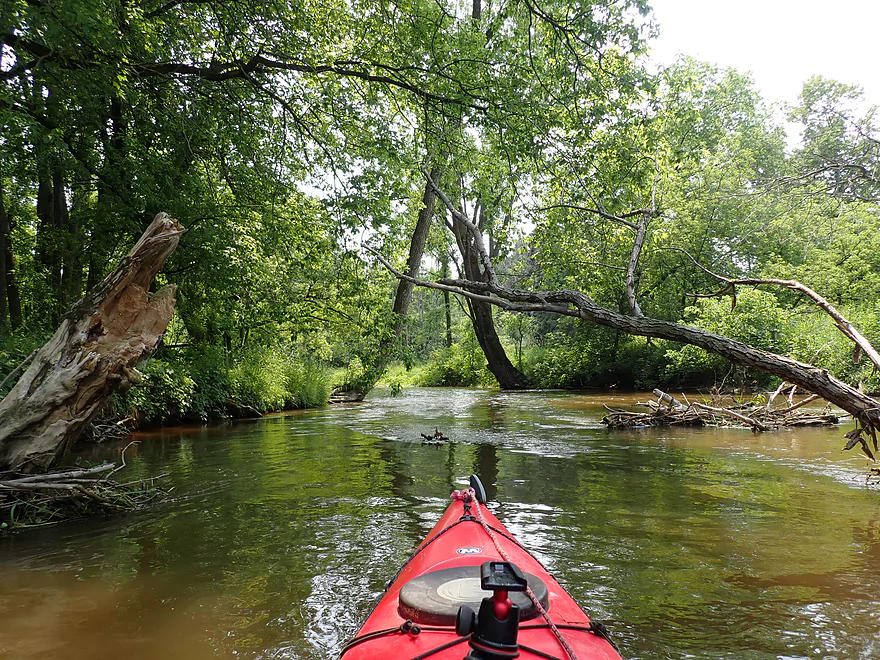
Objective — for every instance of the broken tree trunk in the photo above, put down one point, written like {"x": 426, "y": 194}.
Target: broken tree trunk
{"x": 92, "y": 354}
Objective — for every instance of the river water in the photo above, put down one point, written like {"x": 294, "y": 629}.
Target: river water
{"x": 280, "y": 533}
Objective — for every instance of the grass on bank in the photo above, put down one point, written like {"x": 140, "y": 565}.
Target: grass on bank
{"x": 200, "y": 384}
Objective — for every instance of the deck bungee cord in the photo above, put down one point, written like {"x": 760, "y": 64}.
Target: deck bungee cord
{"x": 469, "y": 494}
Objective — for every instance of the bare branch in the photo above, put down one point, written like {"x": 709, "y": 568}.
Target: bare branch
{"x": 730, "y": 413}
{"x": 634, "y": 263}
{"x": 604, "y": 214}
{"x": 638, "y": 243}
{"x": 844, "y": 325}
{"x": 474, "y": 231}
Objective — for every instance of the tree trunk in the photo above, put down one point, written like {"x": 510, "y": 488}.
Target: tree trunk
{"x": 632, "y": 267}
{"x": 4, "y": 241}
{"x": 447, "y": 307}
{"x": 73, "y": 255}
{"x": 51, "y": 232}
{"x": 416, "y": 250}
{"x": 92, "y": 354}
{"x": 11, "y": 288}
{"x": 507, "y": 375}
{"x": 403, "y": 296}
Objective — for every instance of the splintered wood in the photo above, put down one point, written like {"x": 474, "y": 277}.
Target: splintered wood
{"x": 758, "y": 415}
{"x": 92, "y": 355}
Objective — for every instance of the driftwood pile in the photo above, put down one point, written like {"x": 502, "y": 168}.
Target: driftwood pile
{"x": 46, "y": 499}
{"x": 760, "y": 416}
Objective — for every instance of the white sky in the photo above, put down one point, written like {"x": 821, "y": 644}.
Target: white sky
{"x": 781, "y": 42}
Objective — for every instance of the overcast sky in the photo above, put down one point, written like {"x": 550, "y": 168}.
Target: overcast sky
{"x": 782, "y": 42}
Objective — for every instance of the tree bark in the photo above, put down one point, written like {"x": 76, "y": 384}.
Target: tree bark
{"x": 403, "y": 297}
{"x": 4, "y": 241}
{"x": 507, "y": 375}
{"x": 92, "y": 354}
{"x": 447, "y": 306}
{"x": 633, "y": 265}
{"x": 472, "y": 254}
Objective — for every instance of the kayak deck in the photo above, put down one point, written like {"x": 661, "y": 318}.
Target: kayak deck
{"x": 415, "y": 618}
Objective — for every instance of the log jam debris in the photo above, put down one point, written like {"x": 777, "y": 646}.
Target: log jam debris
{"x": 46, "y": 499}
{"x": 757, "y": 415}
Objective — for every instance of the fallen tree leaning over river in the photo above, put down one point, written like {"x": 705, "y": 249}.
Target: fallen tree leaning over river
{"x": 91, "y": 355}
{"x": 865, "y": 409}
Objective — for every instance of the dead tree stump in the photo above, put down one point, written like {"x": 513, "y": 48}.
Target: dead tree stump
{"x": 92, "y": 354}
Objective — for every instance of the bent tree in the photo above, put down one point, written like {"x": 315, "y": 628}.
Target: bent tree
{"x": 864, "y": 408}
{"x": 505, "y": 74}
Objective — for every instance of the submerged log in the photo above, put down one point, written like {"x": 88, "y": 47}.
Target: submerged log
{"x": 92, "y": 354}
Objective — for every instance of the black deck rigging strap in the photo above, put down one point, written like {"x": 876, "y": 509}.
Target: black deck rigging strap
{"x": 408, "y": 626}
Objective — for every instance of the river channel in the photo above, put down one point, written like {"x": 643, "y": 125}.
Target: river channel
{"x": 280, "y": 533}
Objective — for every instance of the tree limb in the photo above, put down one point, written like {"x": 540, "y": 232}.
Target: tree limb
{"x": 844, "y": 325}
{"x": 568, "y": 302}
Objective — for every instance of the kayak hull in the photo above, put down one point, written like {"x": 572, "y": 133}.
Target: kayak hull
{"x": 415, "y": 617}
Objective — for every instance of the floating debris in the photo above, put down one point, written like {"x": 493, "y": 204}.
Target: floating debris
{"x": 437, "y": 439}
{"x": 37, "y": 500}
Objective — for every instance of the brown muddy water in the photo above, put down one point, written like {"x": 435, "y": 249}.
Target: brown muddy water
{"x": 280, "y": 533}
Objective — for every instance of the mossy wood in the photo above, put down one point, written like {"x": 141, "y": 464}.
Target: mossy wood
{"x": 92, "y": 354}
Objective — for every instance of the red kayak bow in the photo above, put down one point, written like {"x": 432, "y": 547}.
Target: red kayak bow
{"x": 472, "y": 592}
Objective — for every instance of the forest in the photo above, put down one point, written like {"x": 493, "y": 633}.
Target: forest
{"x": 432, "y": 193}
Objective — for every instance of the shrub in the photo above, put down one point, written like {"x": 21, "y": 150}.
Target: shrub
{"x": 757, "y": 320}
{"x": 208, "y": 368}
{"x": 204, "y": 383}
{"x": 307, "y": 383}
{"x": 457, "y": 366}
{"x": 589, "y": 356}
{"x": 257, "y": 379}
{"x": 167, "y": 392}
